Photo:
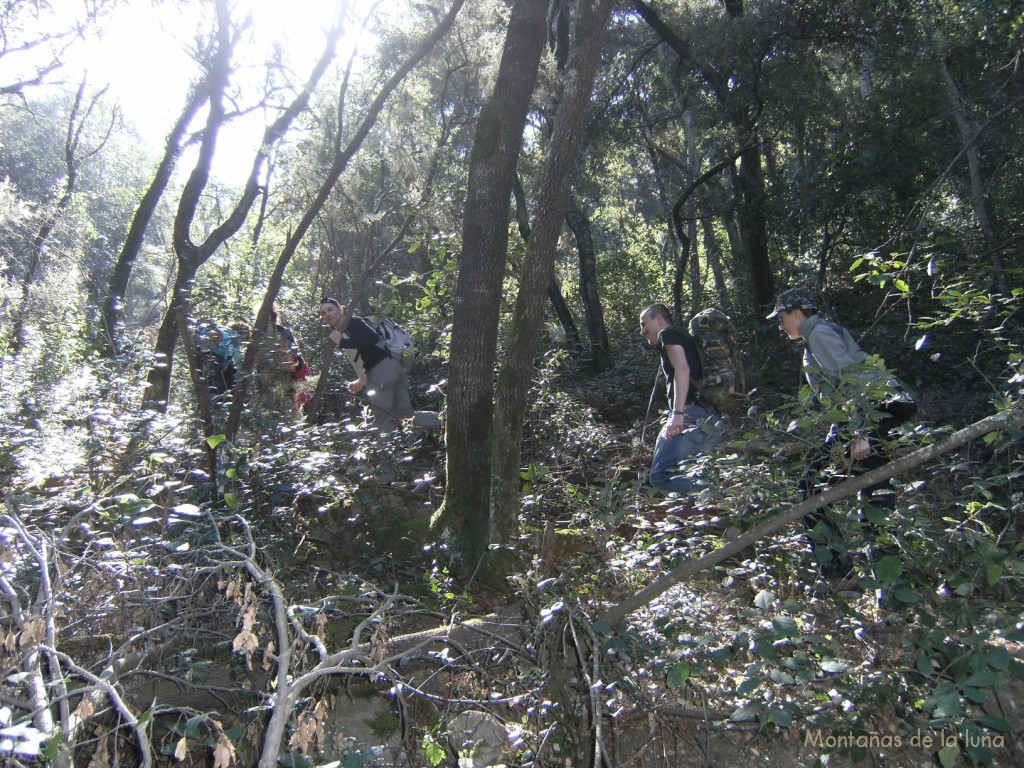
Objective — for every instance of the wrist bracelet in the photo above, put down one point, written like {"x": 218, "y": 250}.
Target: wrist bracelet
{"x": 681, "y": 413}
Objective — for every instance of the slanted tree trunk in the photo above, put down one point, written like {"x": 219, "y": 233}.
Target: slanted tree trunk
{"x": 496, "y": 146}
{"x": 600, "y": 347}
{"x": 191, "y": 255}
{"x": 565, "y": 318}
{"x": 515, "y": 376}
{"x": 113, "y": 305}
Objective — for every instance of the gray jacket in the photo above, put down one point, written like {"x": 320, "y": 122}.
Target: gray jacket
{"x": 833, "y": 359}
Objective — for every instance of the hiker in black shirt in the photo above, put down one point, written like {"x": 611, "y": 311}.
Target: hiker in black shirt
{"x": 692, "y": 427}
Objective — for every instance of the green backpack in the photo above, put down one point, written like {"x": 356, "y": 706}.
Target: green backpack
{"x": 722, "y": 385}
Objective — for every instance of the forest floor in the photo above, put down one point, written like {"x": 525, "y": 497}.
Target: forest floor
{"x": 753, "y": 662}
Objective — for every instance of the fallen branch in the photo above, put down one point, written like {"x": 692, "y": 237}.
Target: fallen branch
{"x": 1000, "y": 421}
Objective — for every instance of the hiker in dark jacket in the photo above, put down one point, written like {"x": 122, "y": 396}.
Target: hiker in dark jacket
{"x": 838, "y": 369}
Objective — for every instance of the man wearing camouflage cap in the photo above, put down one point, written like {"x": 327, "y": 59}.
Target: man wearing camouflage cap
{"x": 837, "y": 368}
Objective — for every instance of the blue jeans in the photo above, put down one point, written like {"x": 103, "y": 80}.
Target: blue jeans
{"x": 702, "y": 430}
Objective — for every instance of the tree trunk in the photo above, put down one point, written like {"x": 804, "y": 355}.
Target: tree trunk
{"x": 565, "y": 318}
{"x": 600, "y": 347}
{"x": 753, "y": 227}
{"x": 496, "y": 146}
{"x": 192, "y": 256}
{"x": 714, "y": 257}
{"x": 528, "y": 317}
{"x": 967, "y": 131}
{"x": 113, "y": 305}
{"x": 343, "y": 156}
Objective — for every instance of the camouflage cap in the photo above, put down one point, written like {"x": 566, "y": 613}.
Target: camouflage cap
{"x": 794, "y": 298}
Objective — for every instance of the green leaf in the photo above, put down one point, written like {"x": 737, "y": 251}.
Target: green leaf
{"x": 214, "y": 440}
{"x": 51, "y": 747}
{"x": 785, "y": 626}
{"x": 602, "y": 627}
{"x": 749, "y": 685}
{"x": 678, "y": 675}
{"x": 925, "y": 665}
{"x": 976, "y": 695}
{"x": 995, "y": 723}
{"x": 998, "y": 658}
{"x": 905, "y": 595}
{"x": 901, "y": 285}
{"x": 747, "y": 713}
{"x": 888, "y": 569}
{"x": 834, "y": 667}
{"x": 948, "y": 756}
{"x": 983, "y": 679}
{"x": 781, "y": 718}
{"x": 994, "y": 574}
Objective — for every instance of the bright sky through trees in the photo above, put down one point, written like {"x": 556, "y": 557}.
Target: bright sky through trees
{"x": 143, "y": 52}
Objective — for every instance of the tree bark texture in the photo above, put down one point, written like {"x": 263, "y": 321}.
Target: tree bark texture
{"x": 600, "y": 347}
{"x": 558, "y": 304}
{"x": 515, "y": 376}
{"x": 753, "y": 226}
{"x": 496, "y": 146}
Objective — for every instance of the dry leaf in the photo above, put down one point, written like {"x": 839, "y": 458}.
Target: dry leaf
{"x": 245, "y": 642}
{"x": 181, "y": 749}
{"x": 32, "y": 633}
{"x": 268, "y": 656}
{"x": 223, "y": 753}
{"x": 85, "y": 709}
{"x": 101, "y": 756}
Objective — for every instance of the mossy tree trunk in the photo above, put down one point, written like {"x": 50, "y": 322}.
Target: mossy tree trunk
{"x": 496, "y": 146}
{"x": 528, "y": 316}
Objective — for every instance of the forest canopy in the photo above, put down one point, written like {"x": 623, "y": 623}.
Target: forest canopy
{"x": 215, "y": 542}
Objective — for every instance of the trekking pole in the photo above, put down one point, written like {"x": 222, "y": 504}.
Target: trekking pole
{"x": 650, "y": 405}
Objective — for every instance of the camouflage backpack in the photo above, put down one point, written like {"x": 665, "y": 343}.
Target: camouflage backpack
{"x": 722, "y": 384}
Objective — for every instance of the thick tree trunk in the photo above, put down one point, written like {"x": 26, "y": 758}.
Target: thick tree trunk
{"x": 496, "y": 146}
{"x": 753, "y": 227}
{"x": 600, "y": 347}
{"x": 515, "y": 376}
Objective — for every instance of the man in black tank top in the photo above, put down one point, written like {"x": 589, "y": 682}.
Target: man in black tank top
{"x": 692, "y": 427}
